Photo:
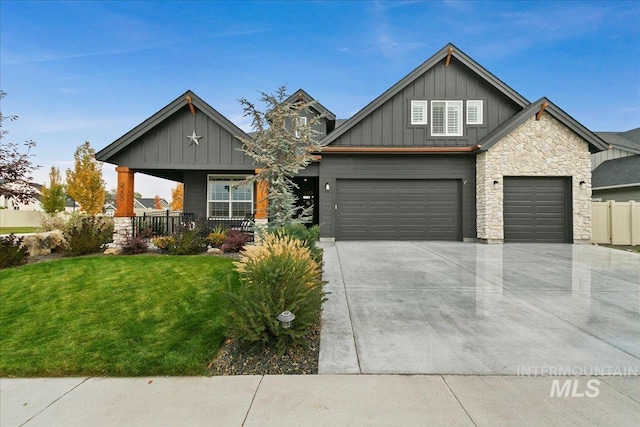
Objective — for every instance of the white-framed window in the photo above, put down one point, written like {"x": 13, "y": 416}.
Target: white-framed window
{"x": 446, "y": 118}
{"x": 227, "y": 198}
{"x": 300, "y": 122}
{"x": 474, "y": 112}
{"x": 418, "y": 112}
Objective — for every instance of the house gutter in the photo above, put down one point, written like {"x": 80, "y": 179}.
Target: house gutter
{"x": 399, "y": 150}
{"x": 611, "y": 187}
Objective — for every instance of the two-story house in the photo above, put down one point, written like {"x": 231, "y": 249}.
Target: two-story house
{"x": 449, "y": 152}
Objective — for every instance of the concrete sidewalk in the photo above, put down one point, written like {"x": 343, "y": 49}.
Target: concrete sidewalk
{"x": 319, "y": 400}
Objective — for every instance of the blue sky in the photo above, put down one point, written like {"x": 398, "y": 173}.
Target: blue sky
{"x": 91, "y": 71}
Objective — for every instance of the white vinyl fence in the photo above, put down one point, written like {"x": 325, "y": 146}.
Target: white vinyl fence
{"x": 11, "y": 218}
{"x": 615, "y": 223}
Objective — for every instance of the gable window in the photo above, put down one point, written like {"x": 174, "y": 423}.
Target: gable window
{"x": 474, "y": 112}
{"x": 446, "y": 118}
{"x": 227, "y": 198}
{"x": 299, "y": 123}
{"x": 418, "y": 112}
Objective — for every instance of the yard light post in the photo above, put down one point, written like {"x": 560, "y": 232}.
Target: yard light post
{"x": 286, "y": 318}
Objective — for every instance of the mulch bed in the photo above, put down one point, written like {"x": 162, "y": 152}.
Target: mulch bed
{"x": 235, "y": 359}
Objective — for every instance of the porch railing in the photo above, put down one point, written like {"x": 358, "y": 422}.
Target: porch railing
{"x": 168, "y": 222}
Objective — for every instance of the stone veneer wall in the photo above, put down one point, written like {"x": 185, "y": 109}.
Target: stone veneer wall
{"x": 121, "y": 227}
{"x": 535, "y": 148}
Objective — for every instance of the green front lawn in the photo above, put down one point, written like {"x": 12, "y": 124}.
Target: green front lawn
{"x": 19, "y": 230}
{"x": 113, "y": 316}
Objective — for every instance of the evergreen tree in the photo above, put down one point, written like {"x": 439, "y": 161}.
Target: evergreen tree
{"x": 283, "y": 145}
{"x": 53, "y": 197}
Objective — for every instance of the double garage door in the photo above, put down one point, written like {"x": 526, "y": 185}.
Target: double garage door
{"x": 399, "y": 210}
{"x": 537, "y": 210}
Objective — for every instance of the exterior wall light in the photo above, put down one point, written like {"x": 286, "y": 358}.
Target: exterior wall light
{"x": 286, "y": 318}
{"x": 495, "y": 183}
{"x": 327, "y": 187}
{"x": 582, "y": 183}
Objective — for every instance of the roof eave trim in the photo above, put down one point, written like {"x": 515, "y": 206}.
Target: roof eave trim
{"x": 398, "y": 150}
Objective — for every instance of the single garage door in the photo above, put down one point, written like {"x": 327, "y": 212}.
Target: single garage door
{"x": 537, "y": 210}
{"x": 399, "y": 210}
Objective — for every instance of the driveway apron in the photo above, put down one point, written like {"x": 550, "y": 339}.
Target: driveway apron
{"x": 466, "y": 308}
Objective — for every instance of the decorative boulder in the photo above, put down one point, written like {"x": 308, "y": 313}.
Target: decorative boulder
{"x": 44, "y": 243}
{"x": 113, "y": 251}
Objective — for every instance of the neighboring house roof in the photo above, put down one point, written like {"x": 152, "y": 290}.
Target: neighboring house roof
{"x": 595, "y": 143}
{"x": 412, "y": 76}
{"x": 621, "y": 172}
{"x": 149, "y": 202}
{"x": 627, "y": 141}
{"x": 321, "y": 109}
{"x": 173, "y": 107}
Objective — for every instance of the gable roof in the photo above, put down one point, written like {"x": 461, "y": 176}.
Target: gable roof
{"x": 595, "y": 143}
{"x": 321, "y": 109}
{"x": 174, "y": 106}
{"x": 412, "y": 76}
{"x": 149, "y": 202}
{"x": 627, "y": 141}
{"x": 621, "y": 172}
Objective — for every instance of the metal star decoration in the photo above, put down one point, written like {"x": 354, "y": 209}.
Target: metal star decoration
{"x": 194, "y": 139}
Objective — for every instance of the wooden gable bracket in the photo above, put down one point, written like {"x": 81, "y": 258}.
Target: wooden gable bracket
{"x": 542, "y": 108}
{"x": 446, "y": 64}
{"x": 191, "y": 107}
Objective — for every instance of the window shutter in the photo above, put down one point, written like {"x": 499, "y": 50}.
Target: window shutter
{"x": 474, "y": 112}
{"x": 437, "y": 117}
{"x": 299, "y": 122}
{"x": 418, "y": 112}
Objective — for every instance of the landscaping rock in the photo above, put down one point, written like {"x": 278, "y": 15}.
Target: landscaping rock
{"x": 113, "y": 251}
{"x": 44, "y": 243}
{"x": 216, "y": 251}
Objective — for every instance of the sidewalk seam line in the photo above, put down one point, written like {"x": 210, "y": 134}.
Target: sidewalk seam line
{"x": 252, "y": 399}
{"x": 56, "y": 401}
{"x": 458, "y": 400}
{"x": 346, "y": 297}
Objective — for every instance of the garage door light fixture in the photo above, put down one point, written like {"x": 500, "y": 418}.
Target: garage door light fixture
{"x": 327, "y": 187}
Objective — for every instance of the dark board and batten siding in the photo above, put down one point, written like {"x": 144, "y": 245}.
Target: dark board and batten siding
{"x": 389, "y": 125}
{"x": 166, "y": 146}
{"x": 398, "y": 167}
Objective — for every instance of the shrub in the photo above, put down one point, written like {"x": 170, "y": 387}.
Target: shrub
{"x": 86, "y": 234}
{"x": 278, "y": 275}
{"x": 163, "y": 242}
{"x": 189, "y": 239}
{"x": 299, "y": 231}
{"x": 217, "y": 237}
{"x": 234, "y": 241}
{"x": 12, "y": 253}
{"x": 137, "y": 244}
{"x": 54, "y": 222}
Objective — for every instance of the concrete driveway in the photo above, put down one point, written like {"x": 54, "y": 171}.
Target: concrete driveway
{"x": 465, "y": 308}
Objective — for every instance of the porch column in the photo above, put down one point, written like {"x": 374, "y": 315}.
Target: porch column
{"x": 262, "y": 201}
{"x": 124, "y": 198}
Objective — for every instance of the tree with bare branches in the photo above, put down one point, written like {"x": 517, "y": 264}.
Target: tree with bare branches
{"x": 16, "y": 167}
